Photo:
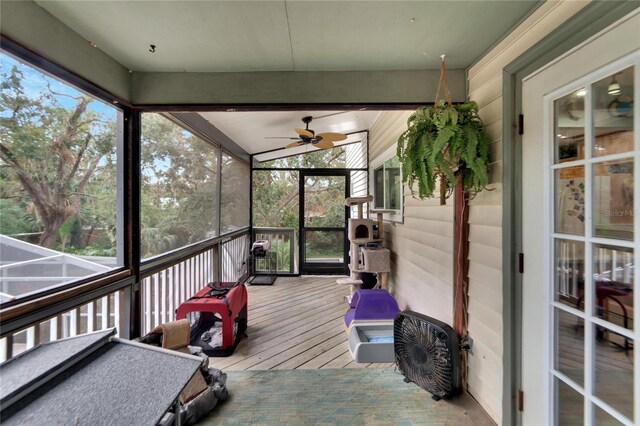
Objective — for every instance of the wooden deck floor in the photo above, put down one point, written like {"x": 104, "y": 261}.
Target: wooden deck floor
{"x": 297, "y": 323}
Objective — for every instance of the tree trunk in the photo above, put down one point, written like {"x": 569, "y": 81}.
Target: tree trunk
{"x": 52, "y": 224}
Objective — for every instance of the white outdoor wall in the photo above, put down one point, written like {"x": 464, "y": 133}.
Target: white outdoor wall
{"x": 422, "y": 247}
{"x": 421, "y": 276}
{"x": 485, "y": 213}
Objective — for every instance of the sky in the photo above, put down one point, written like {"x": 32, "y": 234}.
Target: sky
{"x": 35, "y": 82}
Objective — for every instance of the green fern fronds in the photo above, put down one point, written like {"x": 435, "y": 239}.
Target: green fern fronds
{"x": 444, "y": 140}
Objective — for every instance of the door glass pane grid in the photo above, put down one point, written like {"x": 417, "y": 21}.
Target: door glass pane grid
{"x": 614, "y": 370}
{"x": 599, "y": 156}
{"x": 602, "y": 417}
{"x": 569, "y": 126}
{"x": 568, "y": 401}
{"x": 569, "y": 273}
{"x": 569, "y": 346}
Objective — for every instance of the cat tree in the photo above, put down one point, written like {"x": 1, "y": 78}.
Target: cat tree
{"x": 367, "y": 250}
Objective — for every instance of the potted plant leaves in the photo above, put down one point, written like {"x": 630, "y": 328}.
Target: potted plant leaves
{"x": 444, "y": 141}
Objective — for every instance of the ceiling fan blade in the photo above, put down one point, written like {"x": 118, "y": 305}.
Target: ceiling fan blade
{"x": 330, "y": 115}
{"x": 333, "y": 137}
{"x": 281, "y": 137}
{"x": 304, "y": 132}
{"x": 323, "y": 144}
{"x": 294, "y": 144}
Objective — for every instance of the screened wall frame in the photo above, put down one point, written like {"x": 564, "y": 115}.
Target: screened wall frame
{"x": 126, "y": 156}
{"x": 162, "y": 258}
{"x": 581, "y": 243}
{"x": 127, "y": 279}
{"x": 297, "y": 247}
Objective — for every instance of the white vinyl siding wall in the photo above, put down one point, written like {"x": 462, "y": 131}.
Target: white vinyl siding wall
{"x": 421, "y": 276}
{"x": 485, "y": 212}
{"x": 422, "y": 247}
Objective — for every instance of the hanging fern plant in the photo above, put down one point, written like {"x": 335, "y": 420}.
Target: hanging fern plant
{"x": 441, "y": 142}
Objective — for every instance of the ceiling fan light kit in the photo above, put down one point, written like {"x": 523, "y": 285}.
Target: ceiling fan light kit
{"x": 614, "y": 87}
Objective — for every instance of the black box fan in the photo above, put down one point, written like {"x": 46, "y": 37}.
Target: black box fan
{"x": 427, "y": 353}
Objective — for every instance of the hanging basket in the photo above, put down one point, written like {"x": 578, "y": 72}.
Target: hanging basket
{"x": 442, "y": 141}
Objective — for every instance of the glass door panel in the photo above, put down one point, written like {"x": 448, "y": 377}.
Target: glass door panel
{"x": 324, "y": 220}
{"x": 595, "y": 153}
{"x": 569, "y": 127}
{"x": 324, "y": 246}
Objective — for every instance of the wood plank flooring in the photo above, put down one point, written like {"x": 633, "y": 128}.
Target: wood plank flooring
{"x": 296, "y": 323}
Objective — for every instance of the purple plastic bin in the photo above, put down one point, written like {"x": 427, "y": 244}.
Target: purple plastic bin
{"x": 368, "y": 305}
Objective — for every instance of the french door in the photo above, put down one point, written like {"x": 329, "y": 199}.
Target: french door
{"x": 323, "y": 222}
{"x": 581, "y": 235}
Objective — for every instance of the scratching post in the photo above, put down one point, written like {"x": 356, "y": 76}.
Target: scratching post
{"x": 367, "y": 251}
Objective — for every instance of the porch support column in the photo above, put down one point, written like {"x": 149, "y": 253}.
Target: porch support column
{"x": 461, "y": 268}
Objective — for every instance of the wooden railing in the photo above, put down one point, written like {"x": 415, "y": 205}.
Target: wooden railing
{"x": 108, "y": 311}
{"x": 164, "y": 288}
{"x": 165, "y": 282}
{"x": 283, "y": 248}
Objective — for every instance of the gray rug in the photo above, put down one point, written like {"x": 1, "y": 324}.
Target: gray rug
{"x": 367, "y": 396}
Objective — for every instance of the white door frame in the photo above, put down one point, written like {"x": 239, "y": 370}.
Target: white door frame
{"x": 600, "y": 52}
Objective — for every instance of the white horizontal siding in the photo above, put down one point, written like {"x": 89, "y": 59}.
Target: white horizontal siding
{"x": 422, "y": 247}
{"x": 485, "y": 211}
{"x": 386, "y": 130}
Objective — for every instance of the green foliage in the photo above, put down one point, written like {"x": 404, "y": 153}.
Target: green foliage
{"x": 275, "y": 192}
{"x": 444, "y": 140}
{"x": 92, "y": 251}
{"x": 58, "y": 155}
{"x": 275, "y": 198}
{"x": 179, "y": 188}
{"x": 15, "y": 220}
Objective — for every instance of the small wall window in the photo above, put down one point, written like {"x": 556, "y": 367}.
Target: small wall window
{"x": 387, "y": 185}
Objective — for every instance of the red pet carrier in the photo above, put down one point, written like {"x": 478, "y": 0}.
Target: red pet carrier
{"x": 219, "y": 302}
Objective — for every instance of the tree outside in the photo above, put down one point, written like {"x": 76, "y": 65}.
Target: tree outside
{"x": 58, "y": 171}
{"x": 179, "y": 186}
{"x": 276, "y": 197}
{"x": 58, "y": 163}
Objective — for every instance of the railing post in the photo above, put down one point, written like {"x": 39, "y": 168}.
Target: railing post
{"x": 91, "y": 317}
{"x": 146, "y": 327}
{"x": 6, "y": 348}
{"x": 126, "y": 312}
{"x": 106, "y": 313}
{"x": 171, "y": 285}
{"x": 117, "y": 311}
{"x": 33, "y": 336}
{"x": 156, "y": 303}
{"x": 163, "y": 304}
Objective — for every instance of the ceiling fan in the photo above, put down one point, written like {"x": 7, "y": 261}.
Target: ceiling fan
{"x": 307, "y": 136}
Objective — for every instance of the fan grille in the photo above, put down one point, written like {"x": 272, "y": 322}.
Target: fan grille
{"x": 426, "y": 352}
